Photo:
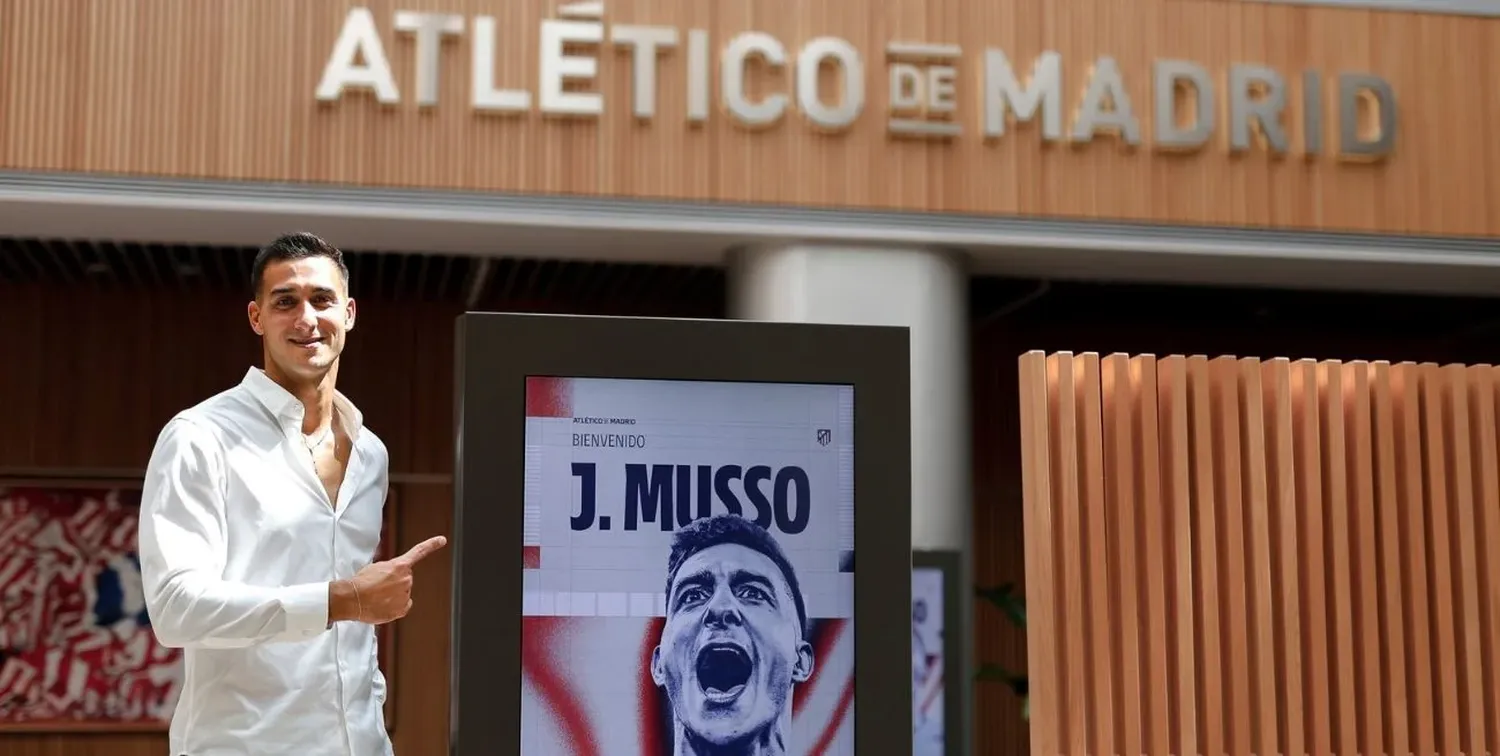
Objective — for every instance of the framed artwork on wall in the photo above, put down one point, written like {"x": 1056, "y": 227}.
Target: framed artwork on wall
{"x": 77, "y": 653}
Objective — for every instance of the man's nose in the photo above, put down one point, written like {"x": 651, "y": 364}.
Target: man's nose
{"x": 723, "y": 610}
{"x": 306, "y": 315}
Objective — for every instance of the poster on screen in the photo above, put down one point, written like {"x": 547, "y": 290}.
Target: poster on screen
{"x": 688, "y": 567}
{"x": 927, "y": 661}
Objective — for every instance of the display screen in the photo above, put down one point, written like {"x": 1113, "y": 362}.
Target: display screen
{"x": 688, "y": 568}
{"x": 927, "y": 661}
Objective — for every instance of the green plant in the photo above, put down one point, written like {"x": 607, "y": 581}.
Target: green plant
{"x": 1013, "y": 606}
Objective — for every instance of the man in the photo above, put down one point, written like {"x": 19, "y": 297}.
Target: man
{"x": 734, "y": 642}
{"x": 260, "y": 516}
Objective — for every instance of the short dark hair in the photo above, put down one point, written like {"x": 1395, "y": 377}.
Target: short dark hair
{"x": 721, "y": 529}
{"x": 294, "y": 246}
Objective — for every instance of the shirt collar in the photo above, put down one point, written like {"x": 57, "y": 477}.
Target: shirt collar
{"x": 281, "y": 403}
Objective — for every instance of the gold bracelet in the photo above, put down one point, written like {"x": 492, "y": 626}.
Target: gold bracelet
{"x": 359, "y": 606}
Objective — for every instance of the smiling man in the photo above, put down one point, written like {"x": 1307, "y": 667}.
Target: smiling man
{"x": 734, "y": 642}
{"x": 260, "y": 517}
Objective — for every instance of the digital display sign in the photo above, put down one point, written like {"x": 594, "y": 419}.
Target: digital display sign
{"x": 655, "y": 523}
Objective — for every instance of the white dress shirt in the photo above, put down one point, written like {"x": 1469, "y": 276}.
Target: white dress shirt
{"x": 238, "y": 542}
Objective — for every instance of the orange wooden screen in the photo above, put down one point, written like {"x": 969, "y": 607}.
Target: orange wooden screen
{"x": 1272, "y": 557}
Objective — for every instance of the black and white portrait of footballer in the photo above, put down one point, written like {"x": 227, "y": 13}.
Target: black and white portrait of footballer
{"x": 734, "y": 643}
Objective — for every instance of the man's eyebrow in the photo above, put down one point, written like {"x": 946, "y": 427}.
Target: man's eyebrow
{"x": 289, "y": 289}
{"x": 741, "y": 574}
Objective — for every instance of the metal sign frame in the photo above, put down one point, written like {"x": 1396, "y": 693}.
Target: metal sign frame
{"x": 496, "y": 353}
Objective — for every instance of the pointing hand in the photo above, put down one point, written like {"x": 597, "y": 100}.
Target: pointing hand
{"x": 381, "y": 592}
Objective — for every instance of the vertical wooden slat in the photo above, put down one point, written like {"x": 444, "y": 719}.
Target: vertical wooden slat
{"x": 1440, "y": 547}
{"x": 1041, "y": 556}
{"x": 1392, "y": 608}
{"x": 1365, "y": 578}
{"x": 1336, "y": 540}
{"x": 1121, "y": 471}
{"x": 1282, "y": 504}
{"x": 1307, "y": 444}
{"x": 1456, "y": 420}
{"x": 1482, "y": 388}
{"x": 1064, "y": 450}
{"x": 1406, "y": 386}
{"x": 1211, "y": 705}
{"x": 1258, "y": 522}
{"x": 1231, "y": 543}
{"x": 1177, "y": 470}
{"x": 1102, "y": 626}
{"x": 1152, "y": 514}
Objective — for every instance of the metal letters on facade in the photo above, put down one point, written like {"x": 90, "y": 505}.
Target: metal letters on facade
{"x": 1185, "y": 101}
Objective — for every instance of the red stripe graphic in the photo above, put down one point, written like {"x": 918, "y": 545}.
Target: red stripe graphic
{"x": 832, "y": 730}
{"x": 824, "y": 637}
{"x": 934, "y": 688}
{"x": 536, "y": 639}
{"x": 549, "y": 397}
{"x": 652, "y": 737}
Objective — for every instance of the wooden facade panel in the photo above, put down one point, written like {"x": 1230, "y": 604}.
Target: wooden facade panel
{"x": 1393, "y": 636}
{"x": 227, "y": 90}
{"x": 1285, "y": 571}
{"x": 1407, "y": 429}
{"x": 1440, "y": 551}
{"x": 1341, "y": 628}
{"x": 1213, "y": 714}
{"x": 1132, "y": 325}
{"x": 1173, "y": 406}
{"x": 1121, "y": 484}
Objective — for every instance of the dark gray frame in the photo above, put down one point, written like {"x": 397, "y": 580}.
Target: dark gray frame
{"x": 495, "y": 352}
{"x": 951, "y": 564}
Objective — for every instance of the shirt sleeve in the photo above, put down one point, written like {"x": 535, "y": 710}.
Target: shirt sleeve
{"x": 183, "y": 551}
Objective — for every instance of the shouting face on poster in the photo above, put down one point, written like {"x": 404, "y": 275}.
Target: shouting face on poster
{"x": 734, "y": 642}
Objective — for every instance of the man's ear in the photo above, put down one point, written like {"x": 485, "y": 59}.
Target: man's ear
{"x": 349, "y": 315}
{"x": 252, "y": 311}
{"x": 658, "y": 675}
{"x": 803, "y": 669}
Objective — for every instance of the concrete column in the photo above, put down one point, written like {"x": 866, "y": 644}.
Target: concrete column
{"x": 927, "y": 291}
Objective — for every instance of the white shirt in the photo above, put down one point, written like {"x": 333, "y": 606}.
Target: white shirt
{"x": 238, "y": 542}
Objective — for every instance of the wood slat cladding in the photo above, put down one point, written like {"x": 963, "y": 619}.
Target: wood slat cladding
{"x": 1108, "y": 319}
{"x": 226, "y": 89}
{"x": 1333, "y": 588}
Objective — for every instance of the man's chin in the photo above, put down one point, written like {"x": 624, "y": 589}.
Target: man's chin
{"x": 310, "y": 363}
{"x": 719, "y": 734}
{"x": 721, "y": 724}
